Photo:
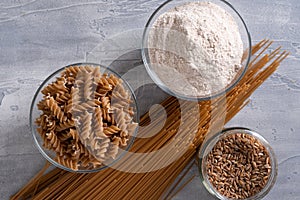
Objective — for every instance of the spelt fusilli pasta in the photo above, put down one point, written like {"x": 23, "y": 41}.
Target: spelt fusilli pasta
{"x": 55, "y": 109}
{"x": 86, "y": 116}
{"x": 54, "y": 142}
{"x": 113, "y": 148}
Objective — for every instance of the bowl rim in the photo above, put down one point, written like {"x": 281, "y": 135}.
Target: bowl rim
{"x": 33, "y": 128}
{"x": 210, "y": 142}
{"x": 158, "y": 81}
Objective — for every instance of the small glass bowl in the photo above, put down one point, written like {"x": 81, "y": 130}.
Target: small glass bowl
{"x": 245, "y": 36}
{"x": 208, "y": 145}
{"x": 35, "y": 113}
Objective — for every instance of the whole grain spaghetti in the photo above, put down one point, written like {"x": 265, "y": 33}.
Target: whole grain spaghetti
{"x": 114, "y": 184}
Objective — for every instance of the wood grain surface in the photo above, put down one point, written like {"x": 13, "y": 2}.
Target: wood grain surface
{"x": 38, "y": 37}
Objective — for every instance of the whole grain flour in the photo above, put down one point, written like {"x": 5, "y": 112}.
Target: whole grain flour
{"x": 195, "y": 49}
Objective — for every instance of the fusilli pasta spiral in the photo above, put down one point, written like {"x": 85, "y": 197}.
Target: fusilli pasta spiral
{"x": 55, "y": 109}
{"x": 98, "y": 123}
{"x": 67, "y": 161}
{"x": 113, "y": 148}
{"x": 86, "y": 116}
{"x": 54, "y": 142}
{"x": 85, "y": 129}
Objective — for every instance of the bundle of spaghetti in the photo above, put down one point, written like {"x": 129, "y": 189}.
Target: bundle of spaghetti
{"x": 135, "y": 182}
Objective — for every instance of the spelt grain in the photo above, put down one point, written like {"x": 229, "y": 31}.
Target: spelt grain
{"x": 238, "y": 166}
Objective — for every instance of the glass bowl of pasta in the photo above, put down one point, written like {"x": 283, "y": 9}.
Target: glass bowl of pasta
{"x": 84, "y": 117}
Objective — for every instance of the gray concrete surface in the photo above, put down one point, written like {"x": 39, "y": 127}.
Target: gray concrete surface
{"x": 39, "y": 36}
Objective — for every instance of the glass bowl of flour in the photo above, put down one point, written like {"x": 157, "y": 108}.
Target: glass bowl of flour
{"x": 196, "y": 50}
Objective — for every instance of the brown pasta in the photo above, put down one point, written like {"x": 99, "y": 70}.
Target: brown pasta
{"x": 120, "y": 119}
{"x": 98, "y": 123}
{"x": 101, "y": 147}
{"x": 131, "y": 128}
{"x": 85, "y": 131}
{"x": 72, "y": 71}
{"x": 116, "y": 184}
{"x": 63, "y": 136}
{"x": 84, "y": 81}
{"x": 67, "y": 161}
{"x": 74, "y": 135}
{"x": 124, "y": 141}
{"x": 65, "y": 125}
{"x": 84, "y": 106}
{"x": 54, "y": 142}
{"x": 106, "y": 113}
{"x": 62, "y": 98}
{"x": 111, "y": 130}
{"x": 42, "y": 132}
{"x": 42, "y": 105}
{"x": 57, "y": 87}
{"x": 96, "y": 74}
{"x": 83, "y": 150}
{"x": 105, "y": 102}
{"x": 104, "y": 84}
{"x": 75, "y": 155}
{"x": 55, "y": 109}
{"x": 100, "y": 93}
{"x": 113, "y": 148}
{"x": 74, "y": 99}
{"x": 77, "y": 120}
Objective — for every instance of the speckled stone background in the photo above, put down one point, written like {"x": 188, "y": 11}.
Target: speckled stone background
{"x": 39, "y": 36}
